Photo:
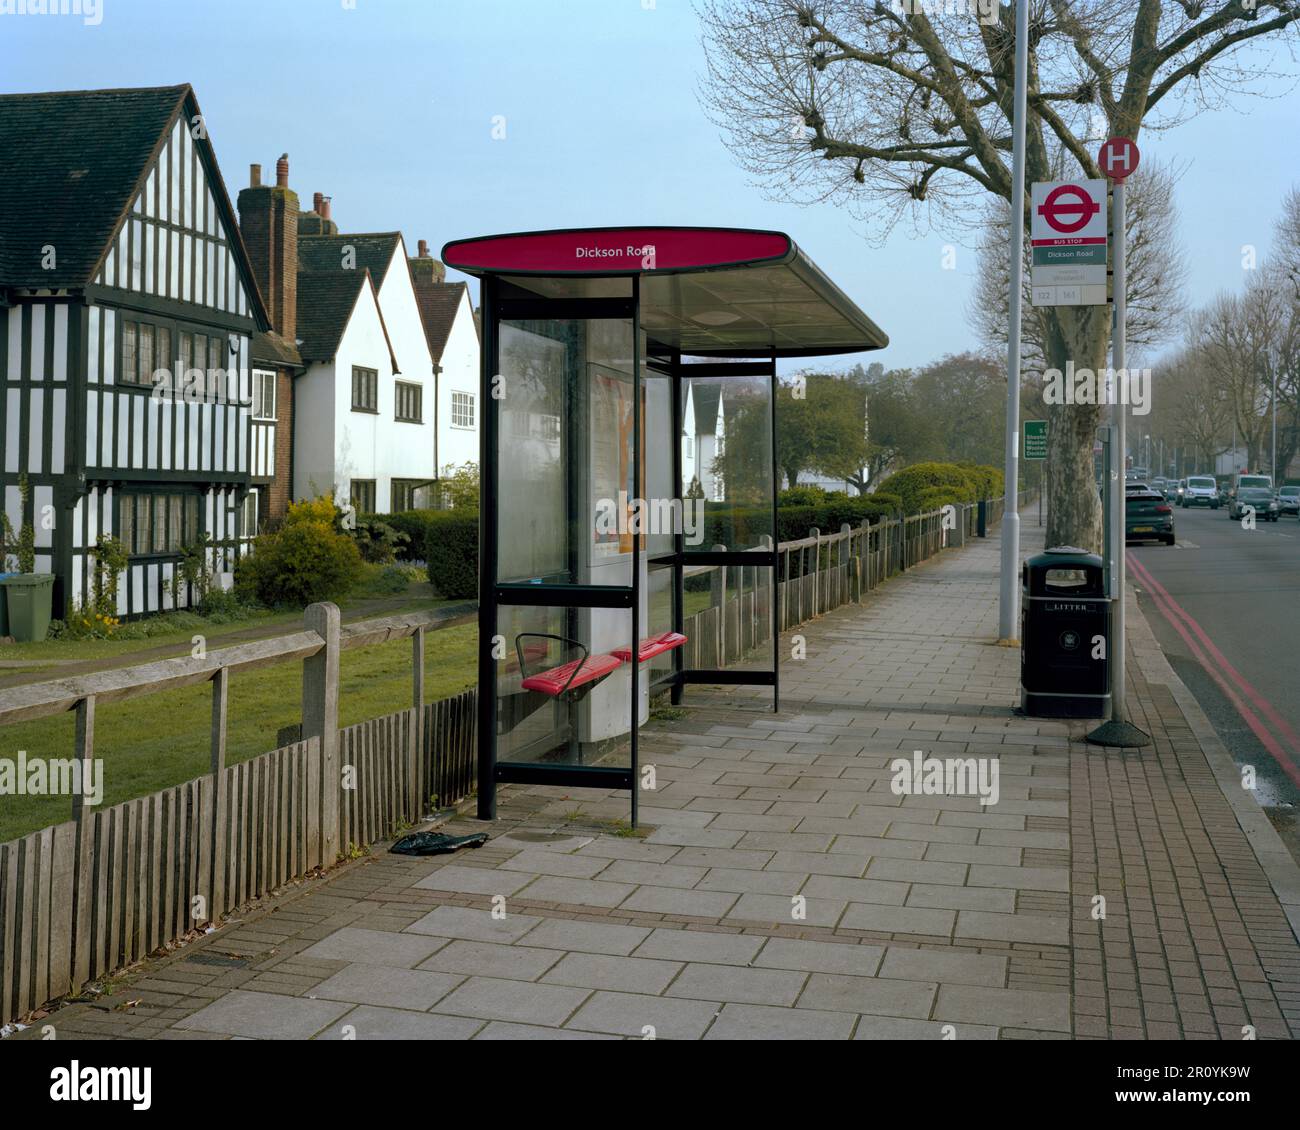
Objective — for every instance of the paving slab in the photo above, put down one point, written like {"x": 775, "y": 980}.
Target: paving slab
{"x": 491, "y": 959}
{"x": 264, "y": 1016}
{"x": 493, "y": 998}
{"x": 384, "y": 985}
{"x": 367, "y": 1022}
{"x": 734, "y": 983}
{"x": 373, "y": 947}
{"x": 763, "y": 1022}
{"x": 701, "y": 945}
{"x": 645, "y": 1017}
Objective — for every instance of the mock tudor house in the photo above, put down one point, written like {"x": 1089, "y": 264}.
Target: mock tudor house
{"x": 128, "y": 307}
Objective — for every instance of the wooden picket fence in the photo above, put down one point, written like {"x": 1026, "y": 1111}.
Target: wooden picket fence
{"x": 81, "y": 899}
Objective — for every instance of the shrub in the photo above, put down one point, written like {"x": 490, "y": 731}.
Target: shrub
{"x": 458, "y": 487}
{"x": 378, "y": 541}
{"x": 388, "y": 580}
{"x": 963, "y": 482}
{"x": 935, "y": 498}
{"x": 805, "y": 496}
{"x": 451, "y": 553}
{"x": 305, "y": 561}
{"x": 415, "y": 525}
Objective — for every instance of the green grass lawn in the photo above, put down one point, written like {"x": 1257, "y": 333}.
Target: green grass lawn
{"x": 159, "y": 740}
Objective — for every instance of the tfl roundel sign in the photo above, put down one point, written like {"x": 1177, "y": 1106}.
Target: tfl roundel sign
{"x": 1068, "y": 208}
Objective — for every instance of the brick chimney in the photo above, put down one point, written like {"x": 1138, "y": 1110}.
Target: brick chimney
{"x": 424, "y": 268}
{"x": 317, "y": 221}
{"x": 268, "y": 221}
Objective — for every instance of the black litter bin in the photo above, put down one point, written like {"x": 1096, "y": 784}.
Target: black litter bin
{"x": 1064, "y": 635}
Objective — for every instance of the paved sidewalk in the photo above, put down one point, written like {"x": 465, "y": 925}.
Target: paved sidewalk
{"x": 924, "y": 915}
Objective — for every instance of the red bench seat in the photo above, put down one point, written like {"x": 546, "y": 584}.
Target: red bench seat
{"x": 568, "y": 676}
{"x": 651, "y": 646}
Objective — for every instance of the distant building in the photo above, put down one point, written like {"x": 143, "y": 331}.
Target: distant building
{"x": 704, "y": 436}
{"x": 375, "y": 358}
{"x": 128, "y": 309}
{"x": 452, "y": 332}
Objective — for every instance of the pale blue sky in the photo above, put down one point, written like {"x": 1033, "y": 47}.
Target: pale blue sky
{"x": 387, "y": 106}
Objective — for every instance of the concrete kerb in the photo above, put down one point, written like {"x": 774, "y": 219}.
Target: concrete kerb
{"x": 1276, "y": 861}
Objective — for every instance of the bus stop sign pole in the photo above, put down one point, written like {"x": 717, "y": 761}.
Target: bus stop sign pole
{"x": 1118, "y": 160}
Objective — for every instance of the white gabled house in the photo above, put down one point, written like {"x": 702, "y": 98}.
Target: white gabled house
{"x": 452, "y": 332}
{"x": 704, "y": 429}
{"x": 127, "y": 307}
{"x": 364, "y": 410}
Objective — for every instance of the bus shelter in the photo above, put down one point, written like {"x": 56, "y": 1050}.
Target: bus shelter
{"x": 628, "y": 475}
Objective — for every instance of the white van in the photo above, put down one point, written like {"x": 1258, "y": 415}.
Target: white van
{"x": 1201, "y": 490}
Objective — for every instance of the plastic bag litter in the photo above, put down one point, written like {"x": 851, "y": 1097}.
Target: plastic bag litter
{"x": 436, "y": 843}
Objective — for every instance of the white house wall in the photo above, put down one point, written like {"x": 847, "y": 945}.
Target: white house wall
{"x": 460, "y": 373}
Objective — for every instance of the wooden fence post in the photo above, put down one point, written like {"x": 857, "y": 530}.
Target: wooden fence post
{"x": 718, "y": 600}
{"x": 320, "y": 719}
{"x": 212, "y": 842}
{"x": 83, "y": 874}
{"x": 415, "y": 769}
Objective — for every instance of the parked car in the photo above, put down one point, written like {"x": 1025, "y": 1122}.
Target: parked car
{"x": 1201, "y": 490}
{"x": 1135, "y": 485}
{"x": 1148, "y": 517}
{"x": 1255, "y": 491}
{"x": 1288, "y": 500}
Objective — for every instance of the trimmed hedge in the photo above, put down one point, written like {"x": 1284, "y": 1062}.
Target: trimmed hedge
{"x": 744, "y": 526}
{"x": 926, "y": 486}
{"x": 450, "y": 546}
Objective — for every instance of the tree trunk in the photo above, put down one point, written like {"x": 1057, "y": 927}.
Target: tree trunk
{"x": 1074, "y": 517}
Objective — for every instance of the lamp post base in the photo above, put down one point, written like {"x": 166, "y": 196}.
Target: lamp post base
{"x": 1124, "y": 735}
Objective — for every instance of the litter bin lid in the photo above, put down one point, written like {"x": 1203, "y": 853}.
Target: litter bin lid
{"x": 1063, "y": 556}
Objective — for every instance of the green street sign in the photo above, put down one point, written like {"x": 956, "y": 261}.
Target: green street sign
{"x": 1034, "y": 445}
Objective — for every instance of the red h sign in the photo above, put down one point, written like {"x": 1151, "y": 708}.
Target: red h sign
{"x": 1119, "y": 159}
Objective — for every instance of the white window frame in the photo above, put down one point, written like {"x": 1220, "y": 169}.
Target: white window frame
{"x": 262, "y": 378}
{"x": 464, "y": 408}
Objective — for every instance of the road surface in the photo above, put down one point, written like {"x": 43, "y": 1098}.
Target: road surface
{"x": 1224, "y": 604}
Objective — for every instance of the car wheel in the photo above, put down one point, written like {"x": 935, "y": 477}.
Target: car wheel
{"x": 1169, "y": 540}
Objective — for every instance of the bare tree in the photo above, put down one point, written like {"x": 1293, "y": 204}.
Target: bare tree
{"x": 901, "y": 107}
{"x": 1238, "y": 337}
{"x": 1193, "y": 405}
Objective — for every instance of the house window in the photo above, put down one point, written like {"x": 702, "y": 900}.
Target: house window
{"x": 365, "y": 389}
{"x": 252, "y": 501}
{"x": 404, "y": 494}
{"x": 129, "y": 366}
{"x": 157, "y": 523}
{"x": 409, "y": 399}
{"x": 462, "y": 409}
{"x": 363, "y": 496}
{"x": 263, "y": 396}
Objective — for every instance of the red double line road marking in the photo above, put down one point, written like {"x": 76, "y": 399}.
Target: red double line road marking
{"x": 1221, "y": 671}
